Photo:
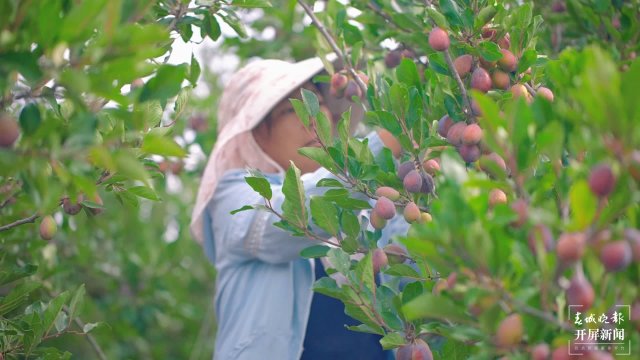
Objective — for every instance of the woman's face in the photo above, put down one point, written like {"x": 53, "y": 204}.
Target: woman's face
{"x": 282, "y": 134}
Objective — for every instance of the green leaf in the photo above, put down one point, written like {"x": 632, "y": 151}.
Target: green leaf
{"x": 160, "y": 145}
{"x": 324, "y": 128}
{"x": 9, "y": 274}
{"x": 30, "y": 118}
{"x": 211, "y": 27}
{"x": 402, "y": 270}
{"x": 53, "y": 309}
{"x": 340, "y": 260}
{"x": 90, "y": 326}
{"x": 490, "y": 51}
{"x": 364, "y": 272}
{"x": 437, "y": 17}
{"x": 318, "y": 155}
{"x": 407, "y": 73}
{"x": 484, "y": 16}
{"x": 235, "y": 23}
{"x": 527, "y": 59}
{"x": 17, "y": 297}
{"x": 244, "y": 208}
{"x": 327, "y": 182}
{"x": 451, "y": 12}
{"x": 301, "y": 110}
{"x": 392, "y": 340}
{"x": 315, "y": 251}
{"x": 583, "y": 205}
{"x": 310, "y": 102}
{"x": 144, "y": 192}
{"x": 82, "y": 18}
{"x": 194, "y": 71}
{"x": 182, "y": 100}
{"x": 328, "y": 286}
{"x": 324, "y": 214}
{"x": 75, "y": 306}
{"x": 432, "y": 306}
{"x": 251, "y": 3}
{"x": 350, "y": 223}
{"x": 294, "y": 209}
{"x": 166, "y": 84}
{"x": 260, "y": 185}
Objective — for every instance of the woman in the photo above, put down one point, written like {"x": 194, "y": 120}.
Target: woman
{"x": 265, "y": 305}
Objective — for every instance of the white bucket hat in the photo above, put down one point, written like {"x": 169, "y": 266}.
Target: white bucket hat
{"x": 248, "y": 97}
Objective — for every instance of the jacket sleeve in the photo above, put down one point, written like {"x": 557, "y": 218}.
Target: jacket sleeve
{"x": 251, "y": 234}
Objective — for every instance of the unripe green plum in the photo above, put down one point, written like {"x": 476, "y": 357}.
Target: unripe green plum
{"x": 540, "y": 233}
{"x": 497, "y": 196}
{"x": 463, "y": 65}
{"x": 454, "y": 135}
{"x": 385, "y": 208}
{"x": 72, "y": 208}
{"x": 388, "y": 192}
{"x": 411, "y": 212}
{"x": 508, "y": 61}
{"x": 376, "y": 221}
{"x": 545, "y": 93}
{"x": 425, "y": 218}
{"x": 392, "y": 59}
{"x": 405, "y": 168}
{"x": 616, "y": 256}
{"x": 571, "y": 247}
{"x": 470, "y": 153}
{"x": 9, "y": 130}
{"x": 444, "y": 124}
{"x": 601, "y": 180}
{"x": 48, "y": 227}
{"x": 633, "y": 236}
{"x": 472, "y": 134}
{"x": 439, "y": 39}
{"x": 396, "y": 254}
{"x": 431, "y": 166}
{"x": 379, "y": 260}
{"x": 540, "y": 352}
{"x": 580, "y": 293}
{"x": 510, "y": 331}
{"x": 412, "y": 182}
{"x": 418, "y": 350}
{"x": 500, "y": 80}
{"x": 480, "y": 80}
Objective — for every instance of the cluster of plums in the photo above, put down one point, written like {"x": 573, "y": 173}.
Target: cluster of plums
{"x": 48, "y": 226}
{"x": 343, "y": 85}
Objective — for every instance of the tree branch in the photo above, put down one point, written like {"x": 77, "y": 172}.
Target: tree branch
{"x": 30, "y": 219}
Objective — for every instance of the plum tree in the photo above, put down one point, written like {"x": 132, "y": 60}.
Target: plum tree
{"x": 439, "y": 39}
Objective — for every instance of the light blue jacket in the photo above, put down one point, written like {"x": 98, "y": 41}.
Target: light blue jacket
{"x": 263, "y": 286}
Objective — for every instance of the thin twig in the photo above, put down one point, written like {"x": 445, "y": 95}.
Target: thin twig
{"x": 334, "y": 46}
{"x": 92, "y": 341}
{"x": 530, "y": 89}
{"x": 30, "y": 219}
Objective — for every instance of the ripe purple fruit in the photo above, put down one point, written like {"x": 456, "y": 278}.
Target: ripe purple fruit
{"x": 463, "y": 65}
{"x": 602, "y": 181}
{"x": 500, "y": 80}
{"x": 537, "y": 234}
{"x": 385, "y": 208}
{"x": 9, "y": 130}
{"x": 339, "y": 81}
{"x": 616, "y": 256}
{"x": 454, "y": 135}
{"x": 352, "y": 90}
{"x": 545, "y": 93}
{"x": 427, "y": 184}
{"x": 48, "y": 228}
{"x": 70, "y": 207}
{"x": 388, "y": 192}
{"x": 472, "y": 134}
{"x": 580, "y": 293}
{"x": 431, "y": 166}
{"x": 505, "y": 41}
{"x": 540, "y": 352}
{"x": 508, "y": 61}
{"x": 470, "y": 153}
{"x": 392, "y": 59}
{"x": 510, "y": 331}
{"x": 404, "y": 169}
{"x": 571, "y": 247}
{"x": 480, "y": 80}
{"x": 395, "y": 253}
{"x": 98, "y": 200}
{"x": 521, "y": 208}
{"x": 417, "y": 350}
{"x": 439, "y": 39}
{"x": 444, "y": 124}
{"x": 412, "y": 182}
{"x": 411, "y": 212}
{"x": 379, "y": 259}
